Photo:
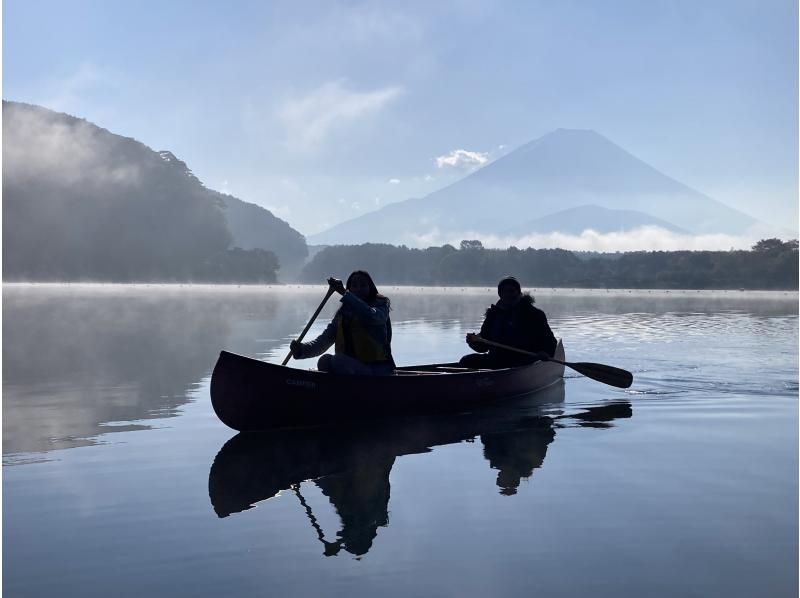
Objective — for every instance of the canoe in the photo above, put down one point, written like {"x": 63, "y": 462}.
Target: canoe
{"x": 248, "y": 394}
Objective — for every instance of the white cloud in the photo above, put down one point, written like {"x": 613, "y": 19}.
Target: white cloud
{"x": 646, "y": 238}
{"x": 394, "y": 181}
{"x": 460, "y": 158}
{"x": 310, "y": 119}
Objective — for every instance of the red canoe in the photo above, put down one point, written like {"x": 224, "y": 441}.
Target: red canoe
{"x": 248, "y": 394}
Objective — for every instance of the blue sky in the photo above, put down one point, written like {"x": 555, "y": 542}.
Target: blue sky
{"x": 323, "y": 110}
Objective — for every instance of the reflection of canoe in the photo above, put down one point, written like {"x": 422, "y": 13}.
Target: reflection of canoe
{"x": 350, "y": 464}
{"x": 254, "y": 466}
{"x": 248, "y": 394}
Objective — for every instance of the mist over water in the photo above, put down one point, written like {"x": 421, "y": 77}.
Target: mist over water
{"x": 119, "y": 479}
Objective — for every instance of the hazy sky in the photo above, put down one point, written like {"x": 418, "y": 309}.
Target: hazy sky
{"x": 323, "y": 110}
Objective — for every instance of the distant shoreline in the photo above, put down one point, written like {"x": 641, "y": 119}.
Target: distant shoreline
{"x": 478, "y": 290}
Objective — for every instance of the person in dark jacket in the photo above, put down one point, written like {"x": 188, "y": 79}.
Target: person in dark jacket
{"x": 361, "y": 331}
{"x": 512, "y": 321}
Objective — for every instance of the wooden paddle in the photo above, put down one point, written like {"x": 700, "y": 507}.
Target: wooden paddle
{"x": 310, "y": 322}
{"x": 596, "y": 371}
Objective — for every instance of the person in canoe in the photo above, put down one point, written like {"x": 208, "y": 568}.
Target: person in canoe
{"x": 512, "y": 321}
{"x": 361, "y": 331}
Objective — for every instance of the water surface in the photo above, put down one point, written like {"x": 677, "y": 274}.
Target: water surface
{"x": 118, "y": 478}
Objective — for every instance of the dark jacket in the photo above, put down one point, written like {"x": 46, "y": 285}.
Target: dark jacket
{"x": 523, "y": 326}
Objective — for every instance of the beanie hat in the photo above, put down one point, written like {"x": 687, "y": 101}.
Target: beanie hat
{"x": 509, "y": 280}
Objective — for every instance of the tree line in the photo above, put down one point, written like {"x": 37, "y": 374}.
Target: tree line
{"x": 769, "y": 264}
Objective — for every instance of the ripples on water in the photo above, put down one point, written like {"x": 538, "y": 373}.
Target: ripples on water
{"x": 119, "y": 479}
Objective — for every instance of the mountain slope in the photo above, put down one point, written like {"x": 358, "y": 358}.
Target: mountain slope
{"x": 563, "y": 169}
{"x": 574, "y": 221}
{"x": 80, "y": 202}
{"x": 253, "y": 227}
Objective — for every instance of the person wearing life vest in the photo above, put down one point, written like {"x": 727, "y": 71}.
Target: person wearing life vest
{"x": 512, "y": 321}
{"x": 361, "y": 331}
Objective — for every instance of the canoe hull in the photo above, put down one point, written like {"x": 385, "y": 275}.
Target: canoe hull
{"x": 248, "y": 394}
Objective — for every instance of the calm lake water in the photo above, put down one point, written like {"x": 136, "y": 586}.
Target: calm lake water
{"x": 119, "y": 480}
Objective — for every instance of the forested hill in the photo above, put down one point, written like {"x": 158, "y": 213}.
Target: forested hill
{"x": 254, "y": 227}
{"x": 770, "y": 264}
{"x": 81, "y": 203}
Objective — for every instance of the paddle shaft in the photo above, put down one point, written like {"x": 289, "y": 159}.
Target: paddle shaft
{"x": 541, "y": 356}
{"x": 596, "y": 371}
{"x": 310, "y": 322}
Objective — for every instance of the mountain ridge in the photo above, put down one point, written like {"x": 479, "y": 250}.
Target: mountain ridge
{"x": 563, "y": 169}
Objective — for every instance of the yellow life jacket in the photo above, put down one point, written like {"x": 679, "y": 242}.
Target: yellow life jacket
{"x": 353, "y": 339}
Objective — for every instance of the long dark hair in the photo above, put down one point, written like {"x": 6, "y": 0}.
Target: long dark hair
{"x": 374, "y": 295}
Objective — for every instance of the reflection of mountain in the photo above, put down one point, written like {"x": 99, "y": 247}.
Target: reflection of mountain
{"x": 76, "y": 359}
{"x": 351, "y": 464}
{"x": 561, "y": 170}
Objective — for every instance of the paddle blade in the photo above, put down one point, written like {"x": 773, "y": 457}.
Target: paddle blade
{"x": 604, "y": 373}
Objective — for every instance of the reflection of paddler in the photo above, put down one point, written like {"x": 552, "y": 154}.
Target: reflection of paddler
{"x": 516, "y": 454}
{"x": 361, "y": 498}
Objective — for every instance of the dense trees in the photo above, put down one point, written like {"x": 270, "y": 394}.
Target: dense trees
{"x": 771, "y": 264}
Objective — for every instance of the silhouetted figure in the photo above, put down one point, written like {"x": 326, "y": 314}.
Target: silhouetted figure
{"x": 361, "y": 331}
{"x": 512, "y": 321}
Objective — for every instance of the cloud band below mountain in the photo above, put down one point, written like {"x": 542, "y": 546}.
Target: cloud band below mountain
{"x": 461, "y": 158}
{"x": 650, "y": 238}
